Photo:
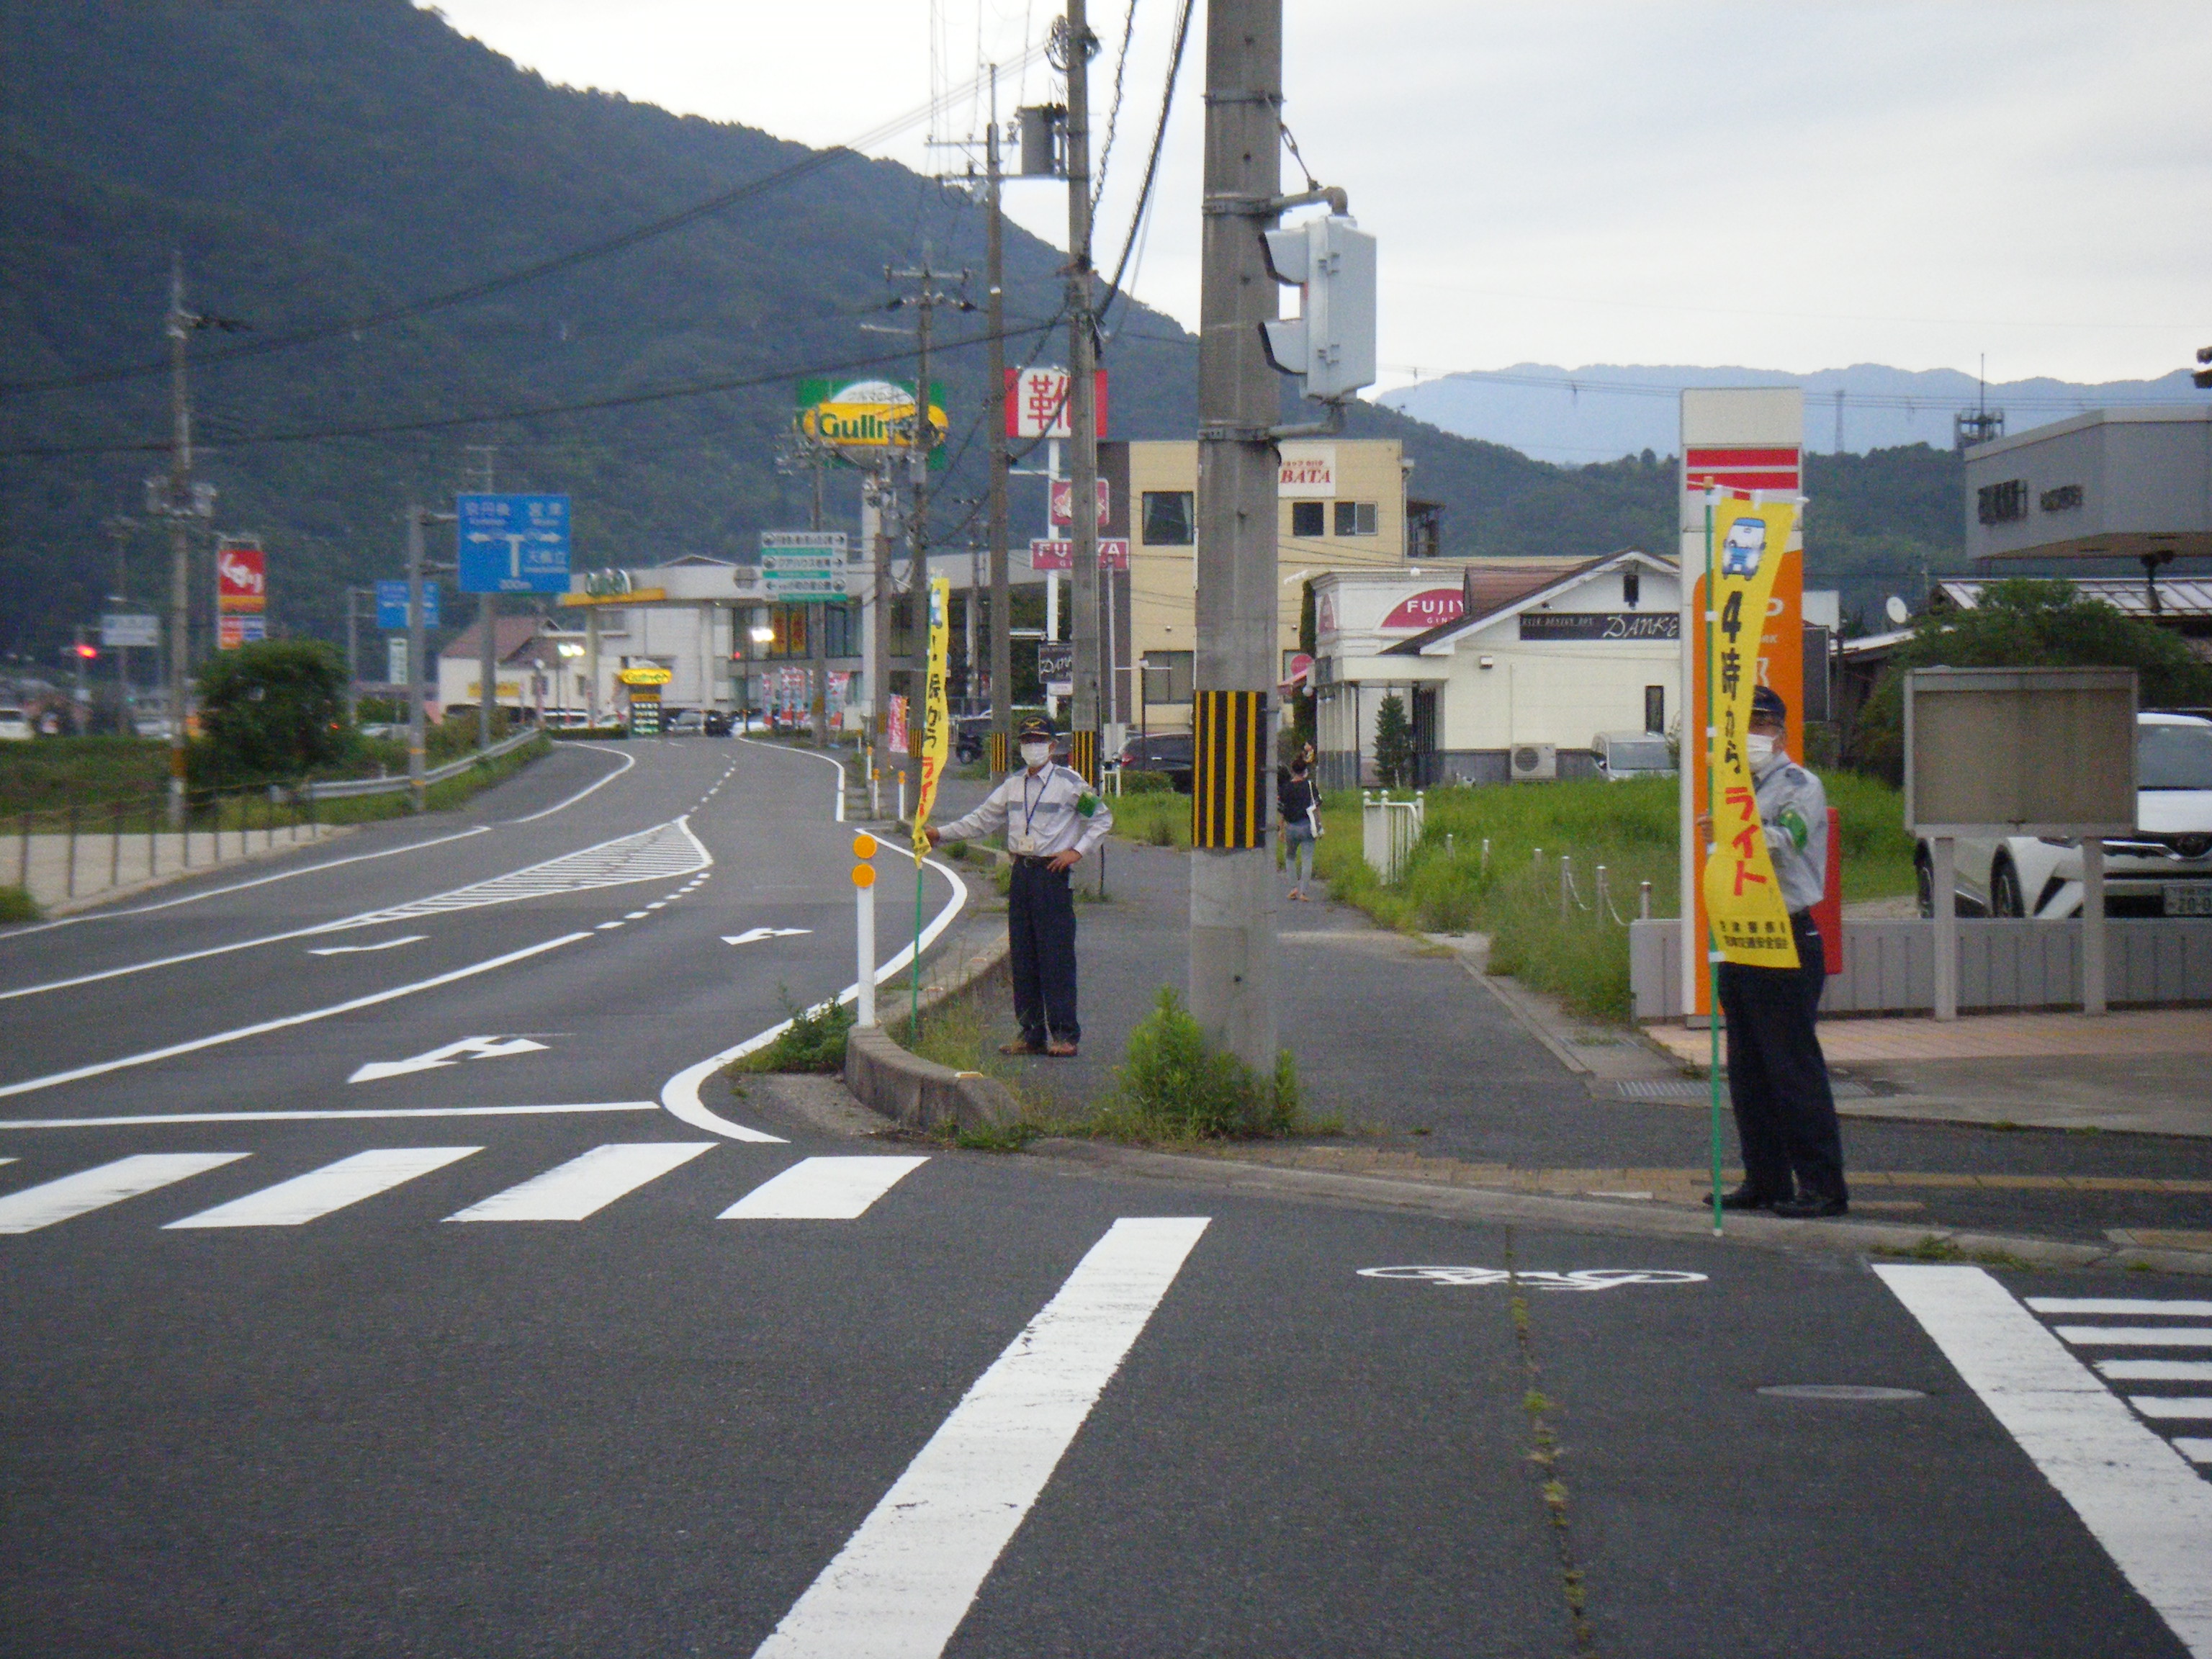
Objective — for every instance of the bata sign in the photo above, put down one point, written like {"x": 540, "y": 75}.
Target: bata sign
{"x": 1426, "y": 608}
{"x": 1308, "y": 471}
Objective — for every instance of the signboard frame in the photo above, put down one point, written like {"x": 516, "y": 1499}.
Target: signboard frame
{"x": 129, "y": 630}
{"x": 1977, "y": 739}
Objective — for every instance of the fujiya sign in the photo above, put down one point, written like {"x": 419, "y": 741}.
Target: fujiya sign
{"x": 1425, "y": 609}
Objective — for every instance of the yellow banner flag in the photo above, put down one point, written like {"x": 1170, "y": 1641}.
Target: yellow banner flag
{"x": 936, "y": 714}
{"x": 1750, "y": 920}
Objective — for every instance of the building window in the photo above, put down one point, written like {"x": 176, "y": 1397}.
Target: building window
{"x": 841, "y": 630}
{"x": 1424, "y": 530}
{"x": 1631, "y": 586}
{"x": 1170, "y": 519}
{"x": 1308, "y": 518}
{"x": 1168, "y": 676}
{"x": 1355, "y": 517}
{"x": 1655, "y": 708}
{"x": 2002, "y": 503}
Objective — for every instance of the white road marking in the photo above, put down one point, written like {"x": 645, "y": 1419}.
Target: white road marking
{"x": 2157, "y": 1370}
{"x": 110, "y": 1183}
{"x": 645, "y": 856}
{"x": 240, "y": 886}
{"x": 583, "y": 1186}
{"x": 680, "y": 1094}
{"x": 452, "y": 1054}
{"x": 628, "y": 761}
{"x": 754, "y": 935}
{"x": 606, "y": 926}
{"x": 2196, "y": 1450}
{"x": 2109, "y": 1304}
{"x": 634, "y": 916}
{"x": 2135, "y": 1336}
{"x": 317, "y": 1192}
{"x": 905, "y": 1580}
{"x": 2138, "y": 1498}
{"x": 822, "y": 1189}
{"x": 145, "y": 1119}
{"x": 102, "y": 1067}
{"x": 382, "y": 944}
{"x": 2166, "y": 1405}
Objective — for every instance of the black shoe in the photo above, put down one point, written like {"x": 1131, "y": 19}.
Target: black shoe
{"x": 1811, "y": 1207}
{"x": 1749, "y": 1197}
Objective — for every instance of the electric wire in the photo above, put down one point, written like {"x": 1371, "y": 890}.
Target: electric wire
{"x": 1113, "y": 110}
{"x": 1114, "y": 289}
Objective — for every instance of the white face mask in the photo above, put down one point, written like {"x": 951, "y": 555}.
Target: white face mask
{"x": 1035, "y": 755}
{"x": 1758, "y": 747}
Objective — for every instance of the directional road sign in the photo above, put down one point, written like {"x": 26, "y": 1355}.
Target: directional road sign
{"x": 513, "y": 544}
{"x": 808, "y": 565}
{"x": 392, "y": 605}
{"x": 129, "y": 629}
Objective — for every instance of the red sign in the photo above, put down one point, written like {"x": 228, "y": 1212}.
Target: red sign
{"x": 1300, "y": 670}
{"x": 241, "y": 578}
{"x": 1427, "y": 608}
{"x": 1037, "y": 402}
{"x": 1744, "y": 470}
{"x": 1113, "y": 553}
{"x": 1063, "y": 501}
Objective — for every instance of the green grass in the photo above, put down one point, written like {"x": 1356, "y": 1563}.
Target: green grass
{"x": 48, "y": 773}
{"x": 1153, "y": 818}
{"x": 1514, "y": 895}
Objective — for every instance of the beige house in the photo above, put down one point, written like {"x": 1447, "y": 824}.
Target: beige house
{"x": 1342, "y": 506}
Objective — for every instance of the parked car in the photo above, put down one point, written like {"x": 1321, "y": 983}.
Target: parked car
{"x": 2164, "y": 869}
{"x": 1162, "y": 751}
{"x": 15, "y": 726}
{"x": 718, "y": 723}
{"x": 972, "y": 738}
{"x": 684, "y": 723}
{"x": 1623, "y": 755}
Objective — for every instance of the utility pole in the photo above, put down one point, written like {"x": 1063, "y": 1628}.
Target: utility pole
{"x": 1002, "y": 648}
{"x": 818, "y": 620}
{"x": 417, "y": 789}
{"x": 178, "y": 500}
{"x": 487, "y": 621}
{"x": 1075, "y": 45}
{"x": 353, "y": 654}
{"x": 1232, "y": 922}
{"x": 119, "y": 528}
{"x": 927, "y": 296}
{"x": 878, "y": 501}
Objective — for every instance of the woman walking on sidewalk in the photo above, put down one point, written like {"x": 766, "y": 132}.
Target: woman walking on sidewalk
{"x": 1298, "y": 805}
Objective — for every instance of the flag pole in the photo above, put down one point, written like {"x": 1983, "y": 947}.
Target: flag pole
{"x": 1712, "y": 807}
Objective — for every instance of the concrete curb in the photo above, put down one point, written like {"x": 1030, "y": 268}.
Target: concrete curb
{"x": 1598, "y": 1215}
{"x": 920, "y": 1094}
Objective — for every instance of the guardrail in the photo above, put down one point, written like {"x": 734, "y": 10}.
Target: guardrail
{"x": 347, "y": 788}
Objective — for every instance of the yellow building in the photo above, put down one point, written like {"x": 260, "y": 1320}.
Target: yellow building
{"x": 1342, "y": 506}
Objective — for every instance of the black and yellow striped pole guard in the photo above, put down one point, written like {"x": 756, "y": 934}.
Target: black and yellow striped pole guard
{"x": 1083, "y": 755}
{"x": 1001, "y": 762}
{"x": 1228, "y": 773}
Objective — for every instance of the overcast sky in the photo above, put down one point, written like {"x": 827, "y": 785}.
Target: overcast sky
{"x": 1785, "y": 186}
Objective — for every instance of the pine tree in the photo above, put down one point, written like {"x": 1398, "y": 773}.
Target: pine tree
{"x": 1394, "y": 743}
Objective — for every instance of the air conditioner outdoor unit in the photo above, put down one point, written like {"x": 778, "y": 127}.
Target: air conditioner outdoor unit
{"x": 1535, "y": 761}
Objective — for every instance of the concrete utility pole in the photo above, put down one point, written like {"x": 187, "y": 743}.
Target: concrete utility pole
{"x": 353, "y": 654}
{"x": 178, "y": 508}
{"x": 1002, "y": 648}
{"x": 925, "y": 300}
{"x": 120, "y": 529}
{"x": 878, "y": 502}
{"x": 417, "y": 789}
{"x": 817, "y": 615}
{"x": 1232, "y": 922}
{"x": 1075, "y": 46}
{"x": 487, "y": 620}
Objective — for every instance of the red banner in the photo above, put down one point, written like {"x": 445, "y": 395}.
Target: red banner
{"x": 1037, "y": 402}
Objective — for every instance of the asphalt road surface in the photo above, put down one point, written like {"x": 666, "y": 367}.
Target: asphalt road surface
{"x": 382, "y": 1278}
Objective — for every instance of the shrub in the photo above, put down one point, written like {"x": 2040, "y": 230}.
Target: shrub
{"x": 1174, "y": 1085}
{"x": 1146, "y": 783}
{"x": 271, "y": 710}
{"x": 16, "y": 905}
{"x": 813, "y": 1041}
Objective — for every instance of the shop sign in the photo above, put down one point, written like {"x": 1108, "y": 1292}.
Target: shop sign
{"x": 1541, "y": 625}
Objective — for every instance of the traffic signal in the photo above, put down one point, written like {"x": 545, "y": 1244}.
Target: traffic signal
{"x": 87, "y": 651}
{"x": 2203, "y": 376}
{"x": 1330, "y": 345}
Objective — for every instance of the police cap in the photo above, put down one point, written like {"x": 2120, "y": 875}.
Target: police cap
{"x": 1036, "y": 726}
{"x": 1767, "y": 702}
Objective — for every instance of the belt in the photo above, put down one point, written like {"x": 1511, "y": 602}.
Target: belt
{"x": 1037, "y": 859}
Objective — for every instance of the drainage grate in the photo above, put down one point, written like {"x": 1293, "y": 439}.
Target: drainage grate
{"x": 1690, "y": 1089}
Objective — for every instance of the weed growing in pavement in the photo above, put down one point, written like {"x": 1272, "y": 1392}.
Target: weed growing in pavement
{"x": 16, "y": 905}
{"x": 1173, "y": 1085}
{"x": 813, "y": 1041}
{"x": 1545, "y": 1458}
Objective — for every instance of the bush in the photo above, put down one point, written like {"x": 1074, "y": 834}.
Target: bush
{"x": 813, "y": 1041}
{"x": 269, "y": 711}
{"x": 1173, "y": 1085}
{"x": 1146, "y": 783}
{"x": 16, "y": 905}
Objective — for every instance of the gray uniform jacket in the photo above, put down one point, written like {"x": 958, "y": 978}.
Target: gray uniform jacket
{"x": 1794, "y": 809}
{"x": 1040, "y": 815}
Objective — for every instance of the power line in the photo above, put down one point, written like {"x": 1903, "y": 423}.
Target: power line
{"x": 1152, "y": 165}
{"x": 1909, "y": 401}
{"x": 814, "y": 163}
{"x": 1113, "y": 110}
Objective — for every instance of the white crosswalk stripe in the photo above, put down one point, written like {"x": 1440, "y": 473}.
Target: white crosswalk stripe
{"x": 93, "y": 1189}
{"x": 656, "y": 854}
{"x": 822, "y": 1189}
{"x": 586, "y": 1185}
{"x": 317, "y": 1192}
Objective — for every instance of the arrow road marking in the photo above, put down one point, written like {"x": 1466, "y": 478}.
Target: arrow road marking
{"x": 753, "y": 935}
{"x": 382, "y": 944}
{"x": 475, "y": 1047}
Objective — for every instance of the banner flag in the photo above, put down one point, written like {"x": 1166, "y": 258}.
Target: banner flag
{"x": 1750, "y": 920}
{"x": 936, "y": 712}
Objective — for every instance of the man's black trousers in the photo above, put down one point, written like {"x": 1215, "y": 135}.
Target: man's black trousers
{"x": 1041, "y": 931}
{"x": 1785, "y": 1115}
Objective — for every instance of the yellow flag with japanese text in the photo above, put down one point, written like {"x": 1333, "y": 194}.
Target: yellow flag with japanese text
{"x": 936, "y": 712}
{"x": 1750, "y": 918}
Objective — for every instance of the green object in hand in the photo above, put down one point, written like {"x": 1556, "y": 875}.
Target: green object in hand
{"x": 1088, "y": 806}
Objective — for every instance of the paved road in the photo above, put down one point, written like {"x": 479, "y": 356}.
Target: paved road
{"x": 620, "y": 1382}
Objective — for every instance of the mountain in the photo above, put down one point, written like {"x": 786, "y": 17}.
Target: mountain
{"x": 1601, "y": 410}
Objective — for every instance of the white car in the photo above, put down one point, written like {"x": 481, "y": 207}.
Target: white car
{"x": 2164, "y": 869}
{"x": 15, "y": 726}
{"x": 1620, "y": 756}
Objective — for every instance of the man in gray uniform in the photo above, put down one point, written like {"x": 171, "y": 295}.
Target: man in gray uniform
{"x": 1785, "y": 1114}
{"x": 1052, "y": 818}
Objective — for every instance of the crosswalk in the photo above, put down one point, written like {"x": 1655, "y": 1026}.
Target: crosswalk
{"x": 2179, "y": 1325}
{"x": 832, "y": 1189}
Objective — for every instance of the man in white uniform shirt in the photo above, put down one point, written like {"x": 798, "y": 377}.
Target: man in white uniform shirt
{"x": 1052, "y": 818}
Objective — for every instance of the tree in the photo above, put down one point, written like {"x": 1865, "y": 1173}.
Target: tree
{"x": 2024, "y": 623}
{"x": 1394, "y": 743}
{"x": 271, "y": 711}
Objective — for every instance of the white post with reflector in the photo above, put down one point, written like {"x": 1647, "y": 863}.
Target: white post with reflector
{"x": 863, "y": 884}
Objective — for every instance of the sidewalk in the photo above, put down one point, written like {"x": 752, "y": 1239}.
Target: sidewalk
{"x": 65, "y": 873}
{"x": 1442, "y": 1074}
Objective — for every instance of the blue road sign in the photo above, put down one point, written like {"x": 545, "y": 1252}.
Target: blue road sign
{"x": 391, "y": 605}
{"x": 513, "y": 544}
